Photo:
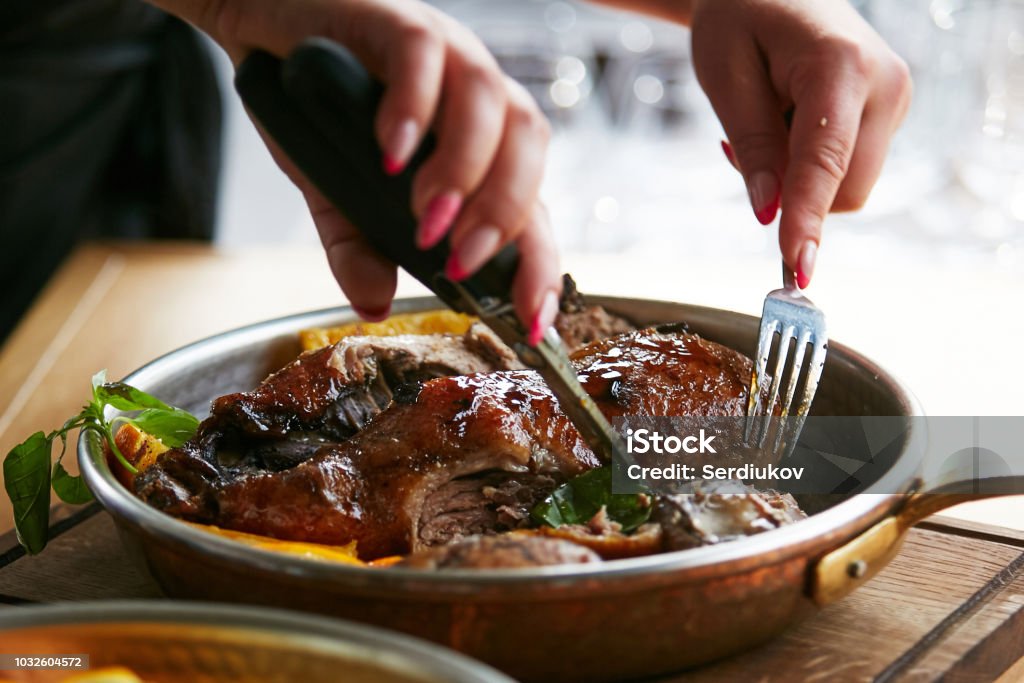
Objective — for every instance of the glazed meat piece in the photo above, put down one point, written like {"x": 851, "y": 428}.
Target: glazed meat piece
{"x": 337, "y": 389}
{"x": 721, "y": 511}
{"x": 461, "y": 455}
{"x": 322, "y": 397}
{"x": 508, "y": 551}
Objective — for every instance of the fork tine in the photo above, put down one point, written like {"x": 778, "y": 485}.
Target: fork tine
{"x": 813, "y": 376}
{"x": 789, "y": 428}
{"x": 794, "y": 375}
{"x": 757, "y": 377}
{"x": 785, "y": 336}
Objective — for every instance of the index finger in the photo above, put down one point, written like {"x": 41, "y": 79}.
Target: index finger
{"x": 826, "y": 120}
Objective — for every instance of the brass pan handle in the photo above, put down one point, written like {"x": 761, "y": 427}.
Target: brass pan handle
{"x": 852, "y": 564}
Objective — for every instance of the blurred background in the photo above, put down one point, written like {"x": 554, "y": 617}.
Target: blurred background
{"x": 636, "y": 166}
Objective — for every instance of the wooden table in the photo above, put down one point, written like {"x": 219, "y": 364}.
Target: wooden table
{"x": 951, "y": 604}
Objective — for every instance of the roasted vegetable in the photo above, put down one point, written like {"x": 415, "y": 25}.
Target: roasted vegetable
{"x": 138, "y": 447}
{"x": 346, "y": 554}
{"x": 429, "y": 322}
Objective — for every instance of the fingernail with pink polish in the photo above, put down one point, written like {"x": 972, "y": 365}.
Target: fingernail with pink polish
{"x": 438, "y": 217}
{"x": 805, "y": 264}
{"x": 373, "y": 315}
{"x": 763, "y": 188}
{"x": 729, "y": 154}
{"x": 544, "y": 318}
{"x": 474, "y": 251}
{"x": 400, "y": 147}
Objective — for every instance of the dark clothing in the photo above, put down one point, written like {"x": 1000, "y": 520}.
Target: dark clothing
{"x": 109, "y": 127}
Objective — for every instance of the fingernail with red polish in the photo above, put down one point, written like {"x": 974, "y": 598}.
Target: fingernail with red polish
{"x": 438, "y": 217}
{"x": 474, "y": 251}
{"x": 544, "y": 319}
{"x": 400, "y": 147}
{"x": 727, "y": 149}
{"x": 765, "y": 196}
{"x": 805, "y": 264}
{"x": 373, "y": 315}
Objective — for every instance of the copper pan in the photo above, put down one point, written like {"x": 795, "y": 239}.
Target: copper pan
{"x": 172, "y": 642}
{"x": 611, "y": 621}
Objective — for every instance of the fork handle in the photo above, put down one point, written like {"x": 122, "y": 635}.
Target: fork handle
{"x": 789, "y": 277}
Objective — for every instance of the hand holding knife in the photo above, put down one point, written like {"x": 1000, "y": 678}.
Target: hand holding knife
{"x": 319, "y": 106}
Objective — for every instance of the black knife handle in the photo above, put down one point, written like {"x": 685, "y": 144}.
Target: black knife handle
{"x": 319, "y": 105}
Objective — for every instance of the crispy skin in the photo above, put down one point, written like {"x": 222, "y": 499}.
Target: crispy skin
{"x": 373, "y": 487}
{"x": 336, "y": 389}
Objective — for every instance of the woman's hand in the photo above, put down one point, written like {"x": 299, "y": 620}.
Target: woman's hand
{"x": 759, "y": 60}
{"x": 479, "y": 187}
{"x": 848, "y": 93}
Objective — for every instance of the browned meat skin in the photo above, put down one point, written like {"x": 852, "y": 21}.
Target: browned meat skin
{"x": 508, "y": 551}
{"x": 323, "y": 397}
{"x": 374, "y": 487}
{"x": 341, "y": 387}
{"x": 664, "y": 373}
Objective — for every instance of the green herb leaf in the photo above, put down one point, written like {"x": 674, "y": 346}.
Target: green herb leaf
{"x": 27, "y": 472}
{"x": 70, "y": 489}
{"x": 125, "y": 397}
{"x": 582, "y": 497}
{"x": 173, "y": 427}
{"x": 27, "y": 480}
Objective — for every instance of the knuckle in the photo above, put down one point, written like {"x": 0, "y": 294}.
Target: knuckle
{"x": 832, "y": 156}
{"x": 484, "y": 76}
{"x": 527, "y": 117}
{"x": 902, "y": 87}
{"x": 420, "y": 33}
{"x": 854, "y": 55}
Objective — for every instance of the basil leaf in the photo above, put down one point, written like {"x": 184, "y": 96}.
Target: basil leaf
{"x": 27, "y": 480}
{"x": 173, "y": 427}
{"x": 583, "y": 496}
{"x": 125, "y": 397}
{"x": 70, "y": 489}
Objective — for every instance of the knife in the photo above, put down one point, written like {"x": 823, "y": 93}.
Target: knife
{"x": 319, "y": 106}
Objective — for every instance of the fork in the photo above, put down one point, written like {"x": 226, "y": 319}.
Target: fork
{"x": 791, "y": 315}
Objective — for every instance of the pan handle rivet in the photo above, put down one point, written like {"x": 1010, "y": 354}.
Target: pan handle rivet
{"x": 857, "y": 569}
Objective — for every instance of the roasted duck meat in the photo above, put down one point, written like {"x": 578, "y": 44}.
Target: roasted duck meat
{"x": 337, "y": 389}
{"x": 450, "y": 457}
{"x": 720, "y": 511}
